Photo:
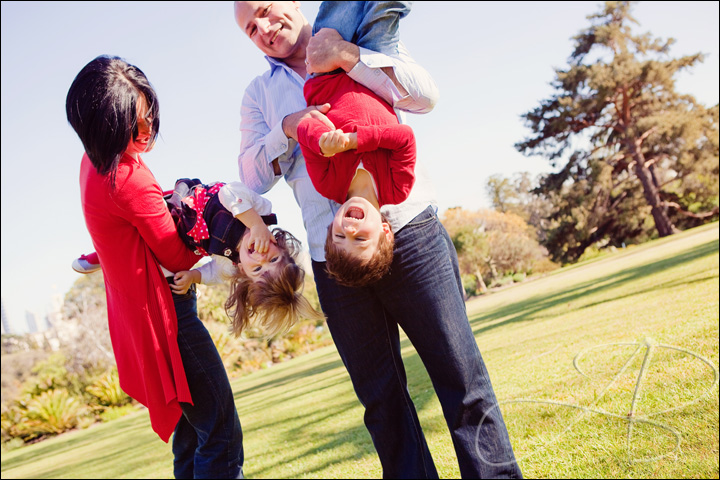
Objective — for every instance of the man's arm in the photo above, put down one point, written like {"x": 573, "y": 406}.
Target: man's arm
{"x": 264, "y": 147}
{"x": 398, "y": 80}
{"x": 260, "y": 148}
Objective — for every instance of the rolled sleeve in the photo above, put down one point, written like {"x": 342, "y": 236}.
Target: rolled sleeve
{"x": 422, "y": 91}
{"x": 276, "y": 143}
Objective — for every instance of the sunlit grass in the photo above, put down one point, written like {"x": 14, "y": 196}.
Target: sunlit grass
{"x": 301, "y": 418}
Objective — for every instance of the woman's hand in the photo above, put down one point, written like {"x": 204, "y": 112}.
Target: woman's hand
{"x": 184, "y": 280}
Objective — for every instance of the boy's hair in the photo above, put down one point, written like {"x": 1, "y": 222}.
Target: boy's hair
{"x": 351, "y": 271}
{"x": 276, "y": 302}
{"x": 101, "y": 106}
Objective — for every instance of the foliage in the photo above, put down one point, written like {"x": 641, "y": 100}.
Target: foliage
{"x": 16, "y": 368}
{"x": 50, "y": 374}
{"x": 54, "y": 411}
{"x": 469, "y": 283}
{"x": 112, "y": 413}
{"x": 516, "y": 195}
{"x": 493, "y": 244}
{"x": 49, "y": 413}
{"x": 637, "y": 158}
{"x": 84, "y": 334}
{"x": 106, "y": 390}
{"x": 253, "y": 350}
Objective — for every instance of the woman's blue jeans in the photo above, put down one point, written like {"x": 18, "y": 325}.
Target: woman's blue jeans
{"x": 423, "y": 295}
{"x": 207, "y": 442}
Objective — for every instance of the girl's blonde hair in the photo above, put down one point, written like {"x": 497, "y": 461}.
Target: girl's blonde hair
{"x": 276, "y": 302}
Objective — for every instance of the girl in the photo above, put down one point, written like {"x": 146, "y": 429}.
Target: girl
{"x": 229, "y": 222}
{"x": 165, "y": 357}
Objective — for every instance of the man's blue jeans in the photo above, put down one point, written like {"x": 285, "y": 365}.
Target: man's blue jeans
{"x": 207, "y": 442}
{"x": 423, "y": 295}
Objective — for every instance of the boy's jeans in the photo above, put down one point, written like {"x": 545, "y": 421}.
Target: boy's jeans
{"x": 371, "y": 25}
{"x": 423, "y": 294}
{"x": 207, "y": 442}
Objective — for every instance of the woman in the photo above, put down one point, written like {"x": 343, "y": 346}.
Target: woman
{"x": 165, "y": 356}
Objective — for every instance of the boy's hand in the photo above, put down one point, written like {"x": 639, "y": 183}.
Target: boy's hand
{"x": 260, "y": 238}
{"x": 184, "y": 280}
{"x": 337, "y": 141}
{"x": 290, "y": 122}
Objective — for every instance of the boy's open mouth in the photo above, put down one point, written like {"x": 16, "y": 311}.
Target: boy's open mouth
{"x": 355, "y": 212}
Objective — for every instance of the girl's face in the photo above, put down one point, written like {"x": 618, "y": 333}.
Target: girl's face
{"x": 255, "y": 264}
{"x": 144, "y": 123}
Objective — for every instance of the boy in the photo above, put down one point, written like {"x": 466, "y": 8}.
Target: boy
{"x": 369, "y": 158}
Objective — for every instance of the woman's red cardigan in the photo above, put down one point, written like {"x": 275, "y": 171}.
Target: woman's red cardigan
{"x": 133, "y": 233}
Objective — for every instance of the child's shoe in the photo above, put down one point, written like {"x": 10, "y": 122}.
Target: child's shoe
{"x": 86, "y": 263}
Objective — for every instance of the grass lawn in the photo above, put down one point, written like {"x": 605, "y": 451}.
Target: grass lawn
{"x": 606, "y": 369}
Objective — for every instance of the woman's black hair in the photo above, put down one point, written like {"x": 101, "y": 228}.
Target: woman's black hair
{"x": 101, "y": 106}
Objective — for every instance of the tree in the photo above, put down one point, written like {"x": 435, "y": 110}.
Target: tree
{"x": 517, "y": 195}
{"x": 631, "y": 144}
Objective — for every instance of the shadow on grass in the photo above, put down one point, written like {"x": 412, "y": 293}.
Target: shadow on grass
{"x": 126, "y": 436}
{"x": 326, "y": 362}
{"x": 323, "y": 449}
{"x": 323, "y": 445}
{"x": 526, "y": 310}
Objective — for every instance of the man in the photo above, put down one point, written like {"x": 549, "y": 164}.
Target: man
{"x": 422, "y": 293}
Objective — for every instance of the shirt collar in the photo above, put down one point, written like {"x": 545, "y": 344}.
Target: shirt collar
{"x": 276, "y": 63}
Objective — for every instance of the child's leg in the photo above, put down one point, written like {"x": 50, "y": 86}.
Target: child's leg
{"x": 371, "y": 25}
{"x": 86, "y": 263}
{"x": 379, "y": 28}
{"x": 342, "y": 16}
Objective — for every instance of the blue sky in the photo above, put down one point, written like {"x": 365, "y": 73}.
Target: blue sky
{"x": 492, "y": 61}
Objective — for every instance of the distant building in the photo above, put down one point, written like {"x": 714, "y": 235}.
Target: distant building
{"x": 31, "y": 323}
{"x": 6, "y": 328}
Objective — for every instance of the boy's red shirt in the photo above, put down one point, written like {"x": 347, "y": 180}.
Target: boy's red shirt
{"x": 385, "y": 147}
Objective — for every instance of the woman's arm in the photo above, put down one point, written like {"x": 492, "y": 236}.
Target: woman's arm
{"x": 141, "y": 201}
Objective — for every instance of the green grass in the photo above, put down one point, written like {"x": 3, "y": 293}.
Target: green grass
{"x": 301, "y": 418}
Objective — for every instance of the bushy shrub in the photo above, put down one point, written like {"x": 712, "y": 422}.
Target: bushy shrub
{"x": 495, "y": 244}
{"x": 50, "y": 413}
{"x": 469, "y": 283}
{"x": 111, "y": 413}
{"x": 503, "y": 281}
{"x": 106, "y": 390}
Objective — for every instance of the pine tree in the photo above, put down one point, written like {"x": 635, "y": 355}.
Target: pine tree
{"x": 627, "y": 143}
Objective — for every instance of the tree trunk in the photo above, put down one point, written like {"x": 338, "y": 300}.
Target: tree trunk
{"x": 662, "y": 222}
{"x": 479, "y": 282}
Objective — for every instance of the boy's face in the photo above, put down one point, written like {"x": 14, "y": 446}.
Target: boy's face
{"x": 357, "y": 227}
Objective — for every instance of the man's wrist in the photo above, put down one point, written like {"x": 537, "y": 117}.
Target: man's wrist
{"x": 349, "y": 57}
{"x": 284, "y": 126}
